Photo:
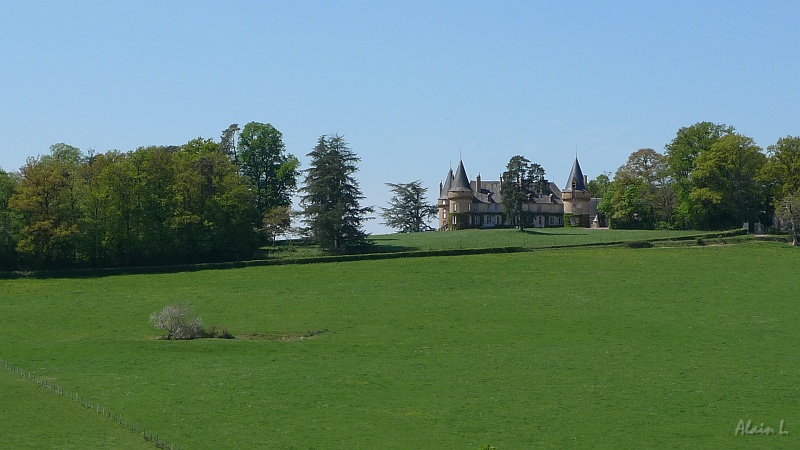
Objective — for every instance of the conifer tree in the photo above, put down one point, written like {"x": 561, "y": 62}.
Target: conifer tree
{"x": 408, "y": 211}
{"x": 331, "y": 200}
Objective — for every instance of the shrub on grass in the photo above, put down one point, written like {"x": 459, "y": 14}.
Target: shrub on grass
{"x": 221, "y": 332}
{"x": 640, "y": 244}
{"x": 178, "y": 321}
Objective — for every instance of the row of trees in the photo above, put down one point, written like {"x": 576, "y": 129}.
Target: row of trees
{"x": 709, "y": 177}
{"x": 200, "y": 201}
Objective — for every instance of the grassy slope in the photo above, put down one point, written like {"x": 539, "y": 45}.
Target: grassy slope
{"x": 530, "y": 238}
{"x": 33, "y": 417}
{"x": 664, "y": 348}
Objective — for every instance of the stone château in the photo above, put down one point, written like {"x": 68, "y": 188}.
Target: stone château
{"x": 479, "y": 204}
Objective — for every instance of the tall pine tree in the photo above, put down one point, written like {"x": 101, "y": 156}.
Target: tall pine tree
{"x": 331, "y": 207}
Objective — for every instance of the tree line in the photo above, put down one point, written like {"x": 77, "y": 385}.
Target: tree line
{"x": 205, "y": 200}
{"x": 709, "y": 177}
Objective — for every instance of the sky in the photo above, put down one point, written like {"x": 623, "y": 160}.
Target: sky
{"x": 413, "y": 86}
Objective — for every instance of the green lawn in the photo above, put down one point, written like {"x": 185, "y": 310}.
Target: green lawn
{"x": 587, "y": 347}
{"x": 530, "y": 238}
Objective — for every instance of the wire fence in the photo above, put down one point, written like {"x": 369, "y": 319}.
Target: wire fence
{"x": 114, "y": 416}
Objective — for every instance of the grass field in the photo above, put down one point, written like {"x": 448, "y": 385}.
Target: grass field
{"x": 587, "y": 347}
{"x": 534, "y": 238}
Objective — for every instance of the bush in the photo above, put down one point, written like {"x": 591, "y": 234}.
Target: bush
{"x": 218, "y": 332}
{"x": 178, "y": 321}
{"x": 640, "y": 244}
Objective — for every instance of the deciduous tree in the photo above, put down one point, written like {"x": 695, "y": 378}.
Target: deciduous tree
{"x": 681, "y": 153}
{"x": 47, "y": 197}
{"x": 10, "y": 222}
{"x": 726, "y": 187}
{"x": 178, "y": 322}
{"x": 788, "y": 212}
{"x": 408, "y": 210}
{"x": 782, "y": 170}
{"x": 277, "y": 222}
{"x": 599, "y": 186}
{"x": 263, "y": 159}
{"x": 641, "y": 196}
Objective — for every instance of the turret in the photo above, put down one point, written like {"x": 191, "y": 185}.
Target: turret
{"x": 576, "y": 198}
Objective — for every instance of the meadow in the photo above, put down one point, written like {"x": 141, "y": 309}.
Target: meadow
{"x": 581, "y": 347}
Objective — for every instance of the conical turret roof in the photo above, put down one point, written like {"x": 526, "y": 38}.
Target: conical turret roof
{"x": 448, "y": 182}
{"x": 575, "y": 180}
{"x": 460, "y": 181}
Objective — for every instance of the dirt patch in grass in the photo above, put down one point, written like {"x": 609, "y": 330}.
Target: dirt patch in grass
{"x": 282, "y": 336}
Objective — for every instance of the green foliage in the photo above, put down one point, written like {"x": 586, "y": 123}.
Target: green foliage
{"x": 155, "y": 205}
{"x": 788, "y": 213}
{"x": 276, "y": 222}
{"x": 521, "y": 180}
{"x": 642, "y": 193}
{"x": 600, "y": 185}
{"x": 782, "y": 169}
{"x": 408, "y": 211}
{"x": 331, "y": 200}
{"x": 726, "y": 189}
{"x": 10, "y": 223}
{"x": 263, "y": 159}
{"x": 681, "y": 154}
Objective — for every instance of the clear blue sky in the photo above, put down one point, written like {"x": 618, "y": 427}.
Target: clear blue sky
{"x": 410, "y": 84}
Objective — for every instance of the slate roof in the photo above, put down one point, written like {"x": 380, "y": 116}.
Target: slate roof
{"x": 460, "y": 180}
{"x": 490, "y": 193}
{"x": 447, "y": 184}
{"x": 575, "y": 176}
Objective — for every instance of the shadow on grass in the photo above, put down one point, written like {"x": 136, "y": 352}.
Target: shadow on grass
{"x": 539, "y": 233}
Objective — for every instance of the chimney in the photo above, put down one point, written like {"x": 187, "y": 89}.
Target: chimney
{"x": 585, "y": 180}
{"x": 478, "y": 184}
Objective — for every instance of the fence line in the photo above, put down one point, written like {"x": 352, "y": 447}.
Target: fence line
{"x": 109, "y": 414}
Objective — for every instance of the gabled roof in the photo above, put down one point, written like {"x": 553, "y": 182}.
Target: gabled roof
{"x": 575, "y": 178}
{"x": 460, "y": 181}
{"x": 448, "y": 182}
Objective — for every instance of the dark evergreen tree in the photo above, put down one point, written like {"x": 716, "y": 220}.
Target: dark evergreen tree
{"x": 521, "y": 180}
{"x": 408, "y": 211}
{"x": 331, "y": 200}
{"x": 227, "y": 142}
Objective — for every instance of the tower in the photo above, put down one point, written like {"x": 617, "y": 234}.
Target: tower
{"x": 576, "y": 198}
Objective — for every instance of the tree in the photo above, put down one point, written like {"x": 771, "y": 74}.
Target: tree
{"x": 726, "y": 188}
{"x": 599, "y": 186}
{"x": 642, "y": 194}
{"x": 788, "y": 212}
{"x": 47, "y": 199}
{"x": 276, "y": 222}
{"x": 331, "y": 200}
{"x": 782, "y": 170}
{"x": 521, "y": 180}
{"x": 227, "y": 142}
{"x": 178, "y": 321}
{"x": 263, "y": 159}
{"x": 10, "y": 222}
{"x": 408, "y": 211}
{"x": 681, "y": 153}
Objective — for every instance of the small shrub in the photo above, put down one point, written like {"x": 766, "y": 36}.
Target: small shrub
{"x": 640, "y": 244}
{"x": 178, "y": 321}
{"x": 701, "y": 242}
{"x": 222, "y": 332}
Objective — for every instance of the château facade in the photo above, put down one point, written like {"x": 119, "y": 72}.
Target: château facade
{"x": 479, "y": 204}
